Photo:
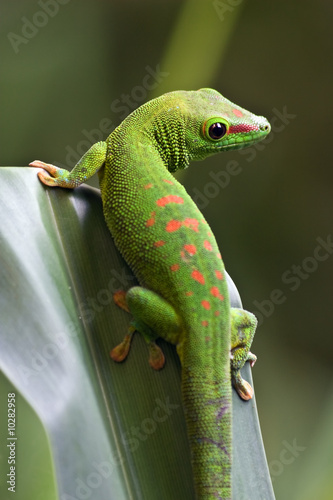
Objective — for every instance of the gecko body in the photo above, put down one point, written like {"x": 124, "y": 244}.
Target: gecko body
{"x": 183, "y": 293}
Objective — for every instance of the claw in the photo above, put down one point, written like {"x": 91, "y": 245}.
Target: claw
{"x": 119, "y": 299}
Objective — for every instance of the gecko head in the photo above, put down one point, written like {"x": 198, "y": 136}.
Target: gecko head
{"x": 214, "y": 124}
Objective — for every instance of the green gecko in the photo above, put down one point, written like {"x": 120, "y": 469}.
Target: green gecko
{"x": 183, "y": 293}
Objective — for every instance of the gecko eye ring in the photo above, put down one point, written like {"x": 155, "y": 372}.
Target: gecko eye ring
{"x": 215, "y": 129}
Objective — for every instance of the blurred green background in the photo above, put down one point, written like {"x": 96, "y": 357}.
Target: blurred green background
{"x": 73, "y": 74}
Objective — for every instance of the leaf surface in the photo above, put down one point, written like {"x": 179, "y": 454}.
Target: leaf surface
{"x": 114, "y": 431}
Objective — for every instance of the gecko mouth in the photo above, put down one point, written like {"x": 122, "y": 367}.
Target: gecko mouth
{"x": 239, "y": 144}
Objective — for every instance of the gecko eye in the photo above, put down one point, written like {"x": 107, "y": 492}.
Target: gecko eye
{"x": 215, "y": 129}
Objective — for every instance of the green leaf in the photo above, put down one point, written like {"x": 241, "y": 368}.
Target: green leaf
{"x": 105, "y": 430}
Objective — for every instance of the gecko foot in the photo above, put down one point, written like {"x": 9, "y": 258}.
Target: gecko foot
{"x": 48, "y": 180}
{"x": 242, "y": 387}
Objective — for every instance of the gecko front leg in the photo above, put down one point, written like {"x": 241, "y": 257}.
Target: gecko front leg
{"x": 87, "y": 166}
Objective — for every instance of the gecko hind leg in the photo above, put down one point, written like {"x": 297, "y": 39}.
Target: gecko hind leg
{"x": 243, "y": 327}
{"x": 153, "y": 317}
{"x": 120, "y": 352}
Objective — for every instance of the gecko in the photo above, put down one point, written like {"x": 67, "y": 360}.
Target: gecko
{"x": 182, "y": 294}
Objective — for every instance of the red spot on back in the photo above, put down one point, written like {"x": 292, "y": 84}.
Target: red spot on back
{"x": 219, "y": 275}
{"x": 197, "y": 276}
{"x": 217, "y": 313}
{"x": 237, "y": 112}
{"x": 189, "y": 293}
{"x": 219, "y": 256}
{"x": 205, "y": 323}
{"x": 192, "y": 224}
{"x": 174, "y": 267}
{"x": 159, "y": 243}
{"x": 208, "y": 246}
{"x": 190, "y": 249}
{"x": 216, "y": 293}
{"x": 171, "y": 198}
{"x": 151, "y": 221}
{"x": 148, "y": 186}
{"x": 173, "y": 225}
{"x": 167, "y": 181}
{"x": 205, "y": 304}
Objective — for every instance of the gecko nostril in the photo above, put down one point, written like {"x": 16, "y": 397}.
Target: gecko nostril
{"x": 265, "y": 128}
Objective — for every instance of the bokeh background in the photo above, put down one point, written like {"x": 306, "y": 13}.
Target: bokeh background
{"x": 70, "y": 74}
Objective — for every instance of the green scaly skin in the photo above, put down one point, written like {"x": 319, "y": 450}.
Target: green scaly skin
{"x": 165, "y": 239}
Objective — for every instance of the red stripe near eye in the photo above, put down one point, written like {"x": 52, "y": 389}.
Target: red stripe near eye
{"x": 242, "y": 127}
